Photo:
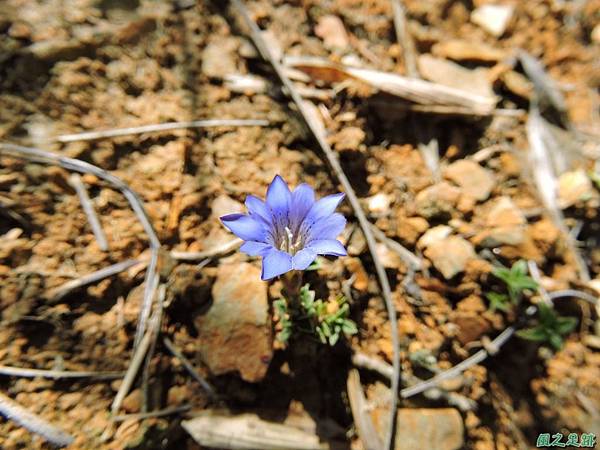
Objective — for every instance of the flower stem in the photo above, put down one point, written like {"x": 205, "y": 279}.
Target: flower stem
{"x": 292, "y": 282}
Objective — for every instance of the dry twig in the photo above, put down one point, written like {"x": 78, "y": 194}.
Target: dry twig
{"x": 405, "y": 39}
{"x": 150, "y": 414}
{"x": 56, "y": 374}
{"x": 34, "y": 423}
{"x": 88, "y": 208}
{"x": 68, "y": 287}
{"x": 169, "y": 126}
{"x": 190, "y": 368}
{"x": 210, "y": 253}
{"x": 332, "y": 158}
{"x": 358, "y": 404}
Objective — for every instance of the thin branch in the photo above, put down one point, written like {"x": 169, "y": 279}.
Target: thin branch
{"x": 358, "y": 405}
{"x": 405, "y": 39}
{"x": 93, "y": 135}
{"x": 210, "y": 253}
{"x": 136, "y": 361}
{"x": 257, "y": 38}
{"x": 34, "y": 423}
{"x": 150, "y": 414}
{"x": 56, "y": 374}
{"x": 88, "y": 208}
{"x": 190, "y": 368}
{"x": 162, "y": 294}
{"x": 472, "y": 360}
{"x": 68, "y": 287}
{"x": 574, "y": 293}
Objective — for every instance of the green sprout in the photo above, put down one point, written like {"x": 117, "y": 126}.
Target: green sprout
{"x": 516, "y": 280}
{"x": 326, "y": 320}
{"x": 551, "y": 327}
{"x": 282, "y": 317}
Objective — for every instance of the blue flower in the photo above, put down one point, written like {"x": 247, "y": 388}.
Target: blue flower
{"x": 289, "y": 229}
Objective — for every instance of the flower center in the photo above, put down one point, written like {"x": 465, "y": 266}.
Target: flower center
{"x": 289, "y": 243}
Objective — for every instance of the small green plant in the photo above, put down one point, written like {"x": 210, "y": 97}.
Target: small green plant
{"x": 551, "y": 327}
{"x": 326, "y": 320}
{"x": 516, "y": 280}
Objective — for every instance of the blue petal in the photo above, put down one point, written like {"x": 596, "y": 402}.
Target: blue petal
{"x": 328, "y": 227}
{"x": 254, "y": 248}
{"x": 245, "y": 227}
{"x": 303, "y": 198}
{"x": 279, "y": 197}
{"x": 275, "y": 263}
{"x": 257, "y": 207}
{"x": 303, "y": 259}
{"x": 324, "y": 207}
{"x": 327, "y": 247}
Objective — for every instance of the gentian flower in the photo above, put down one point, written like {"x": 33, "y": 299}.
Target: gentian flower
{"x": 289, "y": 229}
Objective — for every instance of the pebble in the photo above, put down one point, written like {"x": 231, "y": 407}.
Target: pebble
{"x": 437, "y": 200}
{"x": 331, "y": 29}
{"x": 427, "y": 428}
{"x": 235, "y": 333}
{"x": 450, "y": 256}
{"x": 505, "y": 224}
{"x": 219, "y": 58}
{"x": 473, "y": 179}
{"x": 493, "y": 18}
{"x": 574, "y": 186}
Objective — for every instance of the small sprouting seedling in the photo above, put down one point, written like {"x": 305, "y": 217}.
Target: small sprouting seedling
{"x": 498, "y": 301}
{"x": 328, "y": 319}
{"x": 282, "y": 317}
{"x": 517, "y": 281}
{"x": 595, "y": 177}
{"x": 551, "y": 327}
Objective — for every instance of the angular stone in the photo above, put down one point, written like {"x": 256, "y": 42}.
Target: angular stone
{"x": 219, "y": 58}
{"x": 505, "y": 224}
{"x": 493, "y": 18}
{"x": 460, "y": 50}
{"x": 473, "y": 179}
{"x": 426, "y": 428}
{"x": 450, "y": 256}
{"x": 331, "y": 29}
{"x": 437, "y": 200}
{"x": 235, "y": 333}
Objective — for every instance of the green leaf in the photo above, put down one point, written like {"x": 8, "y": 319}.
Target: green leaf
{"x": 333, "y": 339}
{"x": 349, "y": 327}
{"x": 519, "y": 269}
{"x": 316, "y": 264}
{"x": 564, "y": 325}
{"x": 535, "y": 334}
{"x": 498, "y": 301}
{"x": 556, "y": 341}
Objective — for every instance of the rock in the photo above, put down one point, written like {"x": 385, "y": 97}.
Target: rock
{"x": 493, "y": 18}
{"x": 235, "y": 333}
{"x": 450, "y": 74}
{"x": 409, "y": 229}
{"x": 573, "y": 187}
{"x": 357, "y": 243}
{"x": 471, "y": 326}
{"x": 460, "y": 50}
{"x": 379, "y": 203}
{"x": 132, "y": 403}
{"x": 450, "y": 255}
{"x": 433, "y": 235}
{"x": 219, "y": 58}
{"x": 517, "y": 83}
{"x": 505, "y": 224}
{"x": 331, "y": 29}
{"x": 596, "y": 34}
{"x": 437, "y": 200}
{"x": 425, "y": 428}
{"x": 473, "y": 179}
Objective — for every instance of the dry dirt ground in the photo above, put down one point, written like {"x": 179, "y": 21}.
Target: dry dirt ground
{"x": 454, "y": 187}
